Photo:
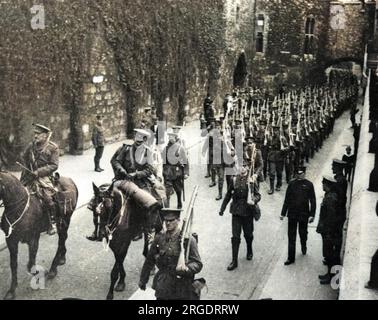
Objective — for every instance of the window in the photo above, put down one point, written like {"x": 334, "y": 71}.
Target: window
{"x": 260, "y": 27}
{"x": 309, "y": 36}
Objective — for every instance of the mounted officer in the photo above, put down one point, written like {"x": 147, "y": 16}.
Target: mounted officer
{"x": 41, "y": 158}
{"x": 175, "y": 167}
{"x": 135, "y": 162}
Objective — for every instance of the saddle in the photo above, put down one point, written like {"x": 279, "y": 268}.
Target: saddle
{"x": 65, "y": 196}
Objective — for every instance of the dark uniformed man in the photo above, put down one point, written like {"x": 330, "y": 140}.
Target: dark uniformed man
{"x": 135, "y": 162}
{"x": 98, "y": 140}
{"x": 328, "y": 227}
{"x": 349, "y": 159}
{"x": 341, "y": 189}
{"x": 175, "y": 167}
{"x": 300, "y": 207}
{"x": 242, "y": 217}
{"x": 41, "y": 157}
{"x": 170, "y": 283}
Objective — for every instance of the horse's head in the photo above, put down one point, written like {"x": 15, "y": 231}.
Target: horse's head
{"x": 107, "y": 203}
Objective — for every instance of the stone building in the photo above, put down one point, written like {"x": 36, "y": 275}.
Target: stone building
{"x": 117, "y": 58}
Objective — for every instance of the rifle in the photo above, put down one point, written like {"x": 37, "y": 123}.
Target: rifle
{"x": 26, "y": 169}
{"x": 185, "y": 232}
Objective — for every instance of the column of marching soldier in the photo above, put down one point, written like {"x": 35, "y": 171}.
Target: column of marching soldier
{"x": 279, "y": 134}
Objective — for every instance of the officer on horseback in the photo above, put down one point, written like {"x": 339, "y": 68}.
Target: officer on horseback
{"x": 41, "y": 158}
{"x": 134, "y": 162}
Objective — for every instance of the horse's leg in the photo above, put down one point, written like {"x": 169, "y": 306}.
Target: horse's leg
{"x": 122, "y": 273}
{"x": 33, "y": 248}
{"x": 145, "y": 246}
{"x": 113, "y": 278}
{"x": 13, "y": 251}
{"x": 60, "y": 256}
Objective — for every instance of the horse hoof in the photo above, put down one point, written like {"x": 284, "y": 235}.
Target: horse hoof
{"x": 52, "y": 274}
{"x": 62, "y": 261}
{"x": 120, "y": 287}
{"x": 109, "y": 296}
{"x": 10, "y": 296}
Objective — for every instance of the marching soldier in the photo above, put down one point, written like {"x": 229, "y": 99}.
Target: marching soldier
{"x": 263, "y": 147}
{"x": 255, "y": 163}
{"x": 175, "y": 167}
{"x": 41, "y": 158}
{"x": 300, "y": 207}
{"x": 168, "y": 283}
{"x": 328, "y": 227}
{"x": 277, "y": 144}
{"x": 242, "y": 217}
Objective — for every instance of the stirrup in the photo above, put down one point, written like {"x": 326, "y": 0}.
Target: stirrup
{"x": 52, "y": 230}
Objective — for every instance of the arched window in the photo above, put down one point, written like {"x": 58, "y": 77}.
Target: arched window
{"x": 309, "y": 42}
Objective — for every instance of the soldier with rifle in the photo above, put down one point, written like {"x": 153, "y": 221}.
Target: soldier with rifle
{"x": 175, "y": 253}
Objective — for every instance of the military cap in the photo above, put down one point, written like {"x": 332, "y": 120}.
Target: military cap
{"x": 147, "y": 109}
{"x": 40, "y": 128}
{"x": 275, "y": 127}
{"x": 170, "y": 213}
{"x": 262, "y": 122}
{"x": 348, "y": 148}
{"x": 238, "y": 120}
{"x": 285, "y": 125}
{"x": 328, "y": 179}
{"x": 338, "y": 163}
{"x": 99, "y": 116}
{"x": 142, "y": 132}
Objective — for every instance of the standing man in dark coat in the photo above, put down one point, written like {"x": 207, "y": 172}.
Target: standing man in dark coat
{"x": 175, "y": 167}
{"x": 98, "y": 140}
{"x": 170, "y": 282}
{"x": 300, "y": 207}
{"x": 349, "y": 158}
{"x": 242, "y": 217}
{"x": 328, "y": 227}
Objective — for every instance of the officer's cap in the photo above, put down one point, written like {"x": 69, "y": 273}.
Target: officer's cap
{"x": 141, "y": 133}
{"x": 170, "y": 213}
{"x": 329, "y": 180}
{"x": 38, "y": 128}
{"x": 338, "y": 163}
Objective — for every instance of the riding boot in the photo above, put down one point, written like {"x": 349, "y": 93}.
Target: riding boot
{"x": 248, "y": 241}
{"x": 235, "y": 252}
{"x": 271, "y": 191}
{"x": 220, "y": 192}
{"x": 52, "y": 218}
{"x": 179, "y": 202}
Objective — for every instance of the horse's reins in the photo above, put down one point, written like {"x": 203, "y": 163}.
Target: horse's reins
{"x": 11, "y": 225}
{"x": 120, "y": 215}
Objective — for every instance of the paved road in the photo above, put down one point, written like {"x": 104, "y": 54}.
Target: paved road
{"x": 87, "y": 271}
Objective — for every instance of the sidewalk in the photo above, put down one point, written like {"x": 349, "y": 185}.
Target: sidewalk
{"x": 299, "y": 281}
{"x": 81, "y": 168}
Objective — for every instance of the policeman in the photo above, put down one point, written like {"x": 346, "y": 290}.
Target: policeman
{"x": 300, "y": 207}
{"x": 242, "y": 217}
{"x": 175, "y": 167}
{"x": 328, "y": 227}
{"x": 134, "y": 162}
{"x": 41, "y": 157}
{"x": 170, "y": 284}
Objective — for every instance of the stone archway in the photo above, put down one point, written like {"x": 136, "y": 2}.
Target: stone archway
{"x": 241, "y": 71}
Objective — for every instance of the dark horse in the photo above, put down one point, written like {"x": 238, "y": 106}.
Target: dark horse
{"x": 125, "y": 211}
{"x": 24, "y": 219}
